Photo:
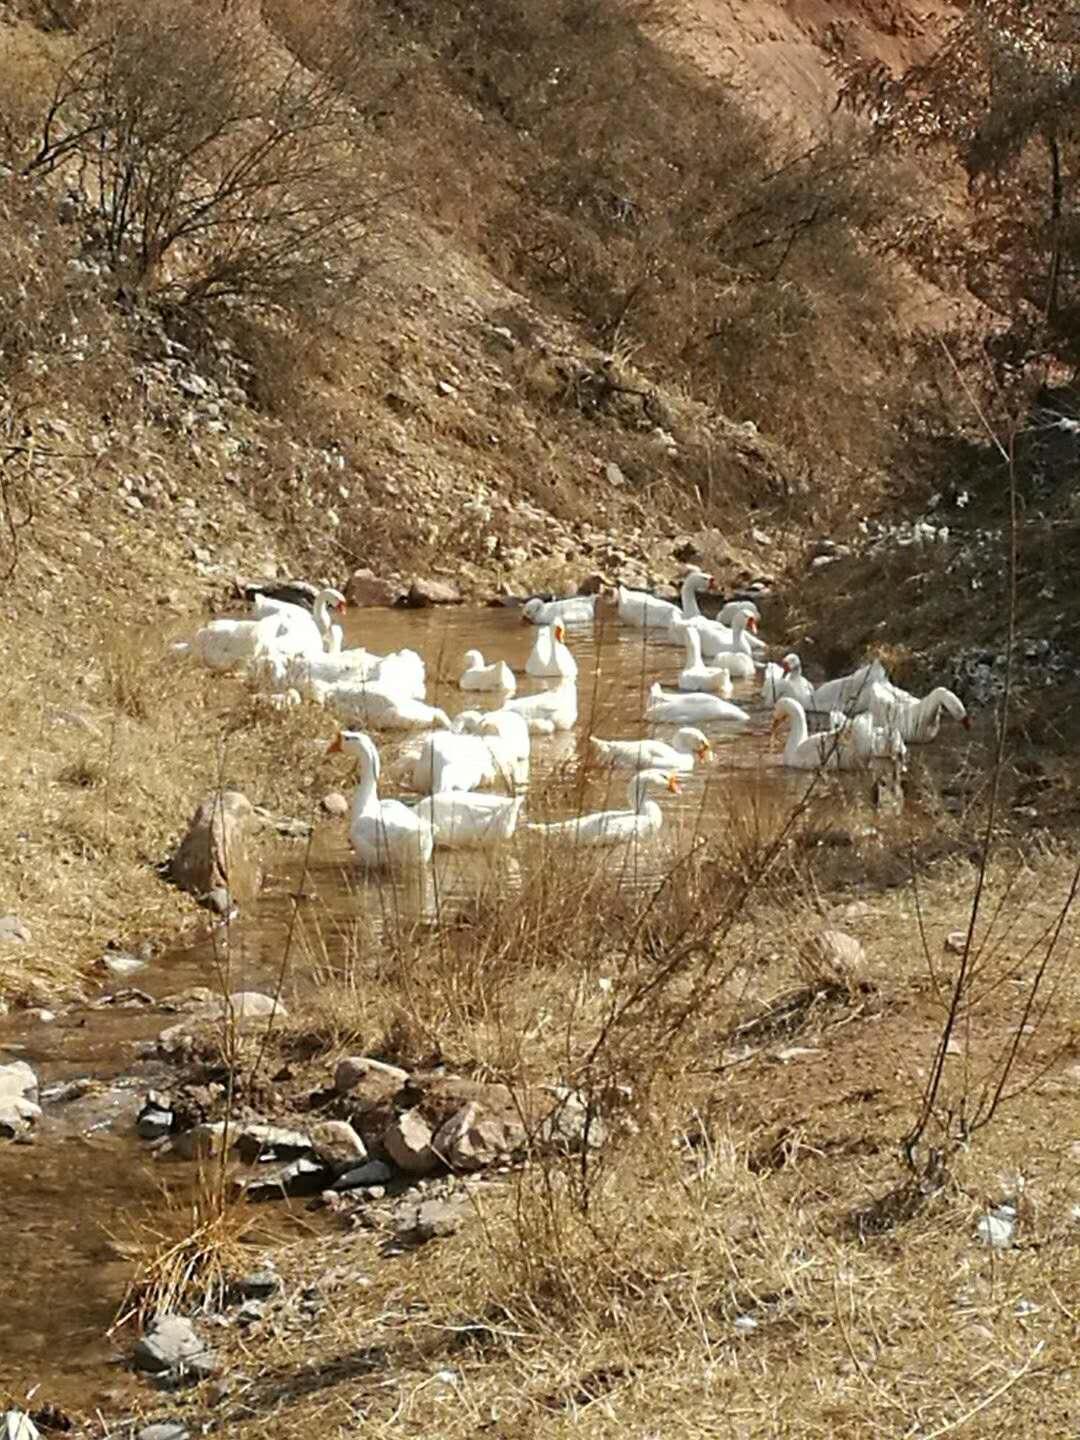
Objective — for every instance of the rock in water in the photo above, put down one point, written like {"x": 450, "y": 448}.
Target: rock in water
{"x": 431, "y": 592}
{"x": 364, "y": 588}
{"x": 215, "y": 852}
{"x": 408, "y": 1143}
{"x": 171, "y": 1344}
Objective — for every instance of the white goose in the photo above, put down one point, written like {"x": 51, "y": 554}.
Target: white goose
{"x": 233, "y": 644}
{"x": 648, "y": 612}
{"x": 478, "y": 676}
{"x": 787, "y": 679}
{"x": 828, "y": 750}
{"x": 918, "y": 721}
{"x": 464, "y": 820}
{"x": 850, "y": 693}
{"x": 383, "y": 832}
{"x": 548, "y": 710}
{"x": 376, "y": 705}
{"x": 549, "y": 658}
{"x": 717, "y": 635}
{"x": 506, "y": 735}
{"x": 576, "y": 610}
{"x": 316, "y": 628}
{"x": 616, "y": 827}
{"x": 872, "y": 741}
{"x": 738, "y": 657}
{"x": 687, "y": 745}
{"x": 668, "y": 708}
{"x": 695, "y": 674}
{"x": 449, "y": 761}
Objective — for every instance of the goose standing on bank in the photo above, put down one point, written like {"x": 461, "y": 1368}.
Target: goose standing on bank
{"x": 383, "y": 832}
{"x": 616, "y": 827}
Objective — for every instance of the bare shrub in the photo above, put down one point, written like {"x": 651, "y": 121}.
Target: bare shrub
{"x": 215, "y": 169}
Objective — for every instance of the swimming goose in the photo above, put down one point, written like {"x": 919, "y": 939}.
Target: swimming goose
{"x": 549, "y": 658}
{"x": 850, "y": 693}
{"x": 918, "y": 721}
{"x": 828, "y": 750}
{"x": 478, "y": 676}
{"x": 668, "y": 708}
{"x": 463, "y": 820}
{"x": 383, "y": 832}
{"x": 787, "y": 679}
{"x": 687, "y": 745}
{"x": 616, "y": 827}
{"x": 695, "y": 674}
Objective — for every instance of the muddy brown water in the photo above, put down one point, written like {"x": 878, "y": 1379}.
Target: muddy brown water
{"x": 65, "y": 1199}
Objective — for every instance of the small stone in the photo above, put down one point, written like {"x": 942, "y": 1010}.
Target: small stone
{"x": 172, "y": 1344}
{"x": 272, "y": 1142}
{"x": 251, "y": 1312}
{"x": 572, "y": 1126}
{"x": 471, "y": 1140}
{"x": 12, "y": 929}
{"x": 254, "y": 1005}
{"x": 955, "y": 942}
{"x": 201, "y": 1142}
{"x": 838, "y": 954}
{"x": 997, "y": 1228}
{"x": 153, "y": 1124}
{"x": 760, "y": 538}
{"x": 218, "y": 900}
{"x": 424, "y": 592}
{"x": 431, "y": 1219}
{"x": 335, "y": 804}
{"x": 42, "y": 1016}
{"x": 364, "y": 588}
{"x": 258, "y": 1284}
{"x": 302, "y": 1177}
{"x": 364, "y": 1177}
{"x": 164, "y": 1430}
{"x": 336, "y": 1143}
{"x": 613, "y": 474}
{"x": 121, "y": 964}
{"x": 355, "y": 1068}
{"x": 407, "y": 1141}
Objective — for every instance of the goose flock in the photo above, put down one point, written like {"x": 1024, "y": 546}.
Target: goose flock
{"x": 293, "y": 654}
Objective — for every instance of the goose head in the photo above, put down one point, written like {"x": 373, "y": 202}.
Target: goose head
{"x": 784, "y": 709}
{"x": 473, "y": 660}
{"x": 355, "y": 742}
{"x": 530, "y": 611}
{"x": 690, "y": 741}
{"x": 646, "y": 780}
{"x": 791, "y": 664}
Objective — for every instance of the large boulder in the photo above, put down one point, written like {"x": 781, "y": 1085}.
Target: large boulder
{"x": 364, "y": 588}
{"x": 18, "y": 1099}
{"x": 423, "y": 592}
{"x": 216, "y": 851}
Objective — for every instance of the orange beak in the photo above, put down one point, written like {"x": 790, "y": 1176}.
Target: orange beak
{"x": 703, "y": 751}
{"x": 966, "y": 722}
{"x": 751, "y": 625}
{"x": 673, "y": 784}
{"x": 786, "y": 668}
{"x": 340, "y": 607}
{"x": 335, "y": 746}
{"x": 560, "y": 633}
{"x": 712, "y": 583}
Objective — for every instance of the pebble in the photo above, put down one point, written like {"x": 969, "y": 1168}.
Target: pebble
{"x": 355, "y": 1068}
{"x": 122, "y": 964}
{"x": 375, "y": 1172}
{"x": 955, "y": 942}
{"x": 153, "y": 1124}
{"x": 997, "y": 1228}
{"x": 407, "y": 1140}
{"x": 12, "y": 929}
{"x": 201, "y": 1142}
{"x": 272, "y": 1142}
{"x": 164, "y": 1430}
{"x": 259, "y": 1284}
{"x": 302, "y": 1177}
{"x": 335, "y": 804}
{"x": 171, "y": 1343}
